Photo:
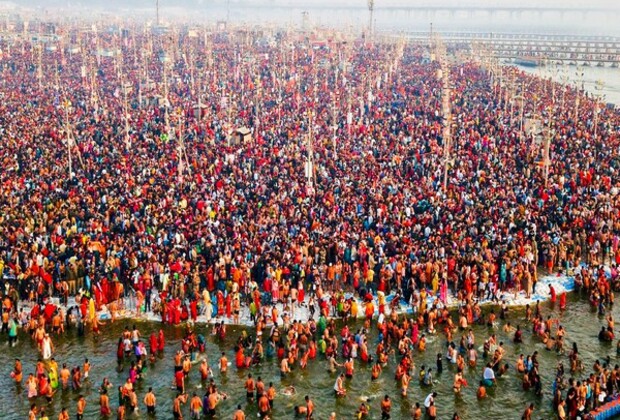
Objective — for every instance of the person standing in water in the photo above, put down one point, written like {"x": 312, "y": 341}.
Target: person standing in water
{"x": 150, "y": 401}
{"x": 47, "y": 347}
{"x": 386, "y": 407}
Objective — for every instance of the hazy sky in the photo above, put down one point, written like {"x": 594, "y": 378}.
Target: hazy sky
{"x": 611, "y": 4}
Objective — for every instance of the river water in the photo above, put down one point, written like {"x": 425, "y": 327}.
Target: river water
{"x": 506, "y": 401}
{"x": 602, "y": 81}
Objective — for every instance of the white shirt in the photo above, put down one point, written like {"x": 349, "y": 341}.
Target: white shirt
{"x": 429, "y": 399}
{"x": 488, "y": 373}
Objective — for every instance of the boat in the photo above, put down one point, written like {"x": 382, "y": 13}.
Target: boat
{"x": 609, "y": 410}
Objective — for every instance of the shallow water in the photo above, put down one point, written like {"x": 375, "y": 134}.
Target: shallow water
{"x": 506, "y": 401}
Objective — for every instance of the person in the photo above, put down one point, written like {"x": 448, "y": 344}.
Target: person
{"x": 250, "y": 386}
{"x": 482, "y": 391}
{"x": 223, "y": 363}
{"x": 239, "y": 414}
{"x": 47, "y": 347}
{"x": 518, "y": 337}
{"x": 64, "y": 414}
{"x": 459, "y": 381}
{"x": 65, "y": 375}
{"x": 502, "y": 370}
{"x": 284, "y": 367}
{"x": 120, "y": 412}
{"x": 333, "y": 364}
{"x": 179, "y": 380}
{"x": 300, "y": 410}
{"x": 416, "y": 412}
{"x": 432, "y": 411}
{"x": 195, "y": 407}
{"x": 428, "y": 377}
{"x": 562, "y": 410}
{"x": 176, "y": 405}
{"x": 430, "y": 398}
{"x": 17, "y": 373}
{"x": 150, "y": 401}
{"x": 309, "y": 407}
{"x": 32, "y": 414}
{"x": 213, "y": 400}
{"x": 339, "y": 388}
{"x": 81, "y": 406}
{"x": 205, "y": 370}
{"x": 527, "y": 414}
{"x": 271, "y": 394}
{"x": 104, "y": 403}
{"x": 263, "y": 407}
{"x": 43, "y": 415}
{"x": 86, "y": 368}
{"x": 488, "y": 375}
{"x": 362, "y": 411}
{"x": 386, "y": 407}
{"x": 404, "y": 384}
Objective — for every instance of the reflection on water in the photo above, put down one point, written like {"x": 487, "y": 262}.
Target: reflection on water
{"x": 506, "y": 401}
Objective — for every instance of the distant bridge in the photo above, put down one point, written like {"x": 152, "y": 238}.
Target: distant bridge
{"x": 435, "y": 9}
{"x": 538, "y": 48}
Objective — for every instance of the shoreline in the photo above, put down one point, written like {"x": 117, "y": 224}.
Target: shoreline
{"x": 561, "y": 283}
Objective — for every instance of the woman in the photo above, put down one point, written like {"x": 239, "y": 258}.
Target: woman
{"x": 31, "y": 385}
{"x": 120, "y": 354}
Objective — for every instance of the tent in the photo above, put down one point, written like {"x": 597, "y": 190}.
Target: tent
{"x": 242, "y": 135}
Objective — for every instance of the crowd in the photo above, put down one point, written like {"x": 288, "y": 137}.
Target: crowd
{"x": 163, "y": 203}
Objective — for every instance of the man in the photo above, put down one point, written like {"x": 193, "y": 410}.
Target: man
{"x": 386, "y": 407}
{"x": 527, "y": 415}
{"x": 223, "y": 363}
{"x": 239, "y": 414}
{"x": 195, "y": 407}
{"x": 176, "y": 406}
{"x": 250, "y": 386}
{"x": 64, "y": 414}
{"x": 81, "y": 406}
{"x": 339, "y": 388}
{"x": 150, "y": 401}
{"x": 429, "y": 399}
{"x": 416, "y": 413}
{"x": 104, "y": 403}
{"x": 212, "y": 400}
{"x": 263, "y": 407}
{"x": 271, "y": 394}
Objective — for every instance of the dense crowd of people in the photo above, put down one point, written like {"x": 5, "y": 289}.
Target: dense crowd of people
{"x": 161, "y": 200}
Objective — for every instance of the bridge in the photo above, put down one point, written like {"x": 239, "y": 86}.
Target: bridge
{"x": 592, "y": 15}
{"x": 513, "y": 9}
{"x": 537, "y": 48}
